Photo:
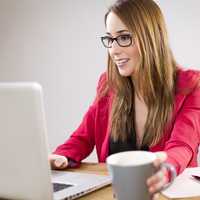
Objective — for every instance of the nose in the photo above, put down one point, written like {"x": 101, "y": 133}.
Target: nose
{"x": 115, "y": 49}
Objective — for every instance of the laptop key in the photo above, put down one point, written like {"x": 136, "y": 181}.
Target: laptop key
{"x": 60, "y": 186}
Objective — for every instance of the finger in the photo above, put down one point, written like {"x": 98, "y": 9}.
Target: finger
{"x": 161, "y": 157}
{"x": 64, "y": 165}
{"x": 157, "y": 187}
{"x": 156, "y": 182}
{"x": 60, "y": 162}
{"x": 156, "y": 196}
{"x": 155, "y": 178}
{"x": 53, "y": 157}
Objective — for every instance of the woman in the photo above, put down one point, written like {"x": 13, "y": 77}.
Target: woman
{"x": 144, "y": 100}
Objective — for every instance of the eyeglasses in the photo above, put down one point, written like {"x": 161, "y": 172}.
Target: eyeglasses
{"x": 124, "y": 40}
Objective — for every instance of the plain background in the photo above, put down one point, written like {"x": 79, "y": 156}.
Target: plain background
{"x": 57, "y": 43}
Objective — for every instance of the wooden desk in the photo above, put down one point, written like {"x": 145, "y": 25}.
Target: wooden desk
{"x": 106, "y": 192}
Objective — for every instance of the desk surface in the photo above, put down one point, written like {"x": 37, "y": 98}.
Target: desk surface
{"x": 106, "y": 192}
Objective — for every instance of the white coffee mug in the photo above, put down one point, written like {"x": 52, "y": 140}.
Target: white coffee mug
{"x": 130, "y": 170}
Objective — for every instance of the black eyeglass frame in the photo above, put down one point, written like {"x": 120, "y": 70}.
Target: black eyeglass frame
{"x": 116, "y": 39}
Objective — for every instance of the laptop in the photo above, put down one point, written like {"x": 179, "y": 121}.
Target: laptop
{"x": 24, "y": 169}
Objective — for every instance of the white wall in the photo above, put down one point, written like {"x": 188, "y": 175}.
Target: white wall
{"x": 183, "y": 21}
{"x": 56, "y": 43}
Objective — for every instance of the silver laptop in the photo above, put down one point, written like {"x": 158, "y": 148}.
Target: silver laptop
{"x": 24, "y": 169}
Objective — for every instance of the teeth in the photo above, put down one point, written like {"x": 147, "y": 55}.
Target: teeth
{"x": 121, "y": 61}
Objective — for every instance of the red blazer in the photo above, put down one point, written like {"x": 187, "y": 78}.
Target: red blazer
{"x": 180, "y": 142}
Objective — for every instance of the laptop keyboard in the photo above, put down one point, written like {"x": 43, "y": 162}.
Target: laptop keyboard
{"x": 60, "y": 186}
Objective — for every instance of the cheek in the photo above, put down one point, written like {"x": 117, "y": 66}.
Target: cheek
{"x": 134, "y": 54}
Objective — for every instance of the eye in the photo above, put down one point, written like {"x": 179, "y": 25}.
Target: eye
{"x": 124, "y": 37}
{"x": 109, "y": 39}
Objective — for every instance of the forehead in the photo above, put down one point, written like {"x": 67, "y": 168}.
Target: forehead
{"x": 114, "y": 24}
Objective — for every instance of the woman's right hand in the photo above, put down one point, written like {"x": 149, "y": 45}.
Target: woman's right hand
{"x": 58, "y": 161}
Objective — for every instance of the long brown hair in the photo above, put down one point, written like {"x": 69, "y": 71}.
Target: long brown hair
{"x": 154, "y": 76}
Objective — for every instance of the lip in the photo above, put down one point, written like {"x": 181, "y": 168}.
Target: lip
{"x": 121, "y": 62}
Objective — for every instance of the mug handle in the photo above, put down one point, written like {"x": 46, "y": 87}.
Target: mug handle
{"x": 171, "y": 169}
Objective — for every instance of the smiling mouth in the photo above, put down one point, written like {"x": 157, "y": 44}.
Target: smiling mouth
{"x": 121, "y": 62}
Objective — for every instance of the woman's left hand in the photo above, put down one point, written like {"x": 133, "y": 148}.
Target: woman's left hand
{"x": 156, "y": 182}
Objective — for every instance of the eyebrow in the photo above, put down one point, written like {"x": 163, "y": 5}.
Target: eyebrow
{"x": 120, "y": 31}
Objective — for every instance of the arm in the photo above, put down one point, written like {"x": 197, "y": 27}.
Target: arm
{"x": 185, "y": 137}
{"x": 182, "y": 146}
{"x": 81, "y": 142}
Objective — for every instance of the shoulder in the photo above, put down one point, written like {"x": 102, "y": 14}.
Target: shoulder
{"x": 102, "y": 81}
{"x": 187, "y": 80}
{"x": 103, "y": 92}
{"x": 103, "y": 87}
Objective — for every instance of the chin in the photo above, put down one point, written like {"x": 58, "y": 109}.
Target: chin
{"x": 125, "y": 73}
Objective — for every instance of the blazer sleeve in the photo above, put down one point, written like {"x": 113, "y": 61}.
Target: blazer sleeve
{"x": 82, "y": 141}
{"x": 185, "y": 136}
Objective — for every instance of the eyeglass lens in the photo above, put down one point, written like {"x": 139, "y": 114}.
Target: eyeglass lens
{"x": 122, "y": 40}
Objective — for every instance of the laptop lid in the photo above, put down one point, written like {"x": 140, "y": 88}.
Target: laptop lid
{"x": 24, "y": 167}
